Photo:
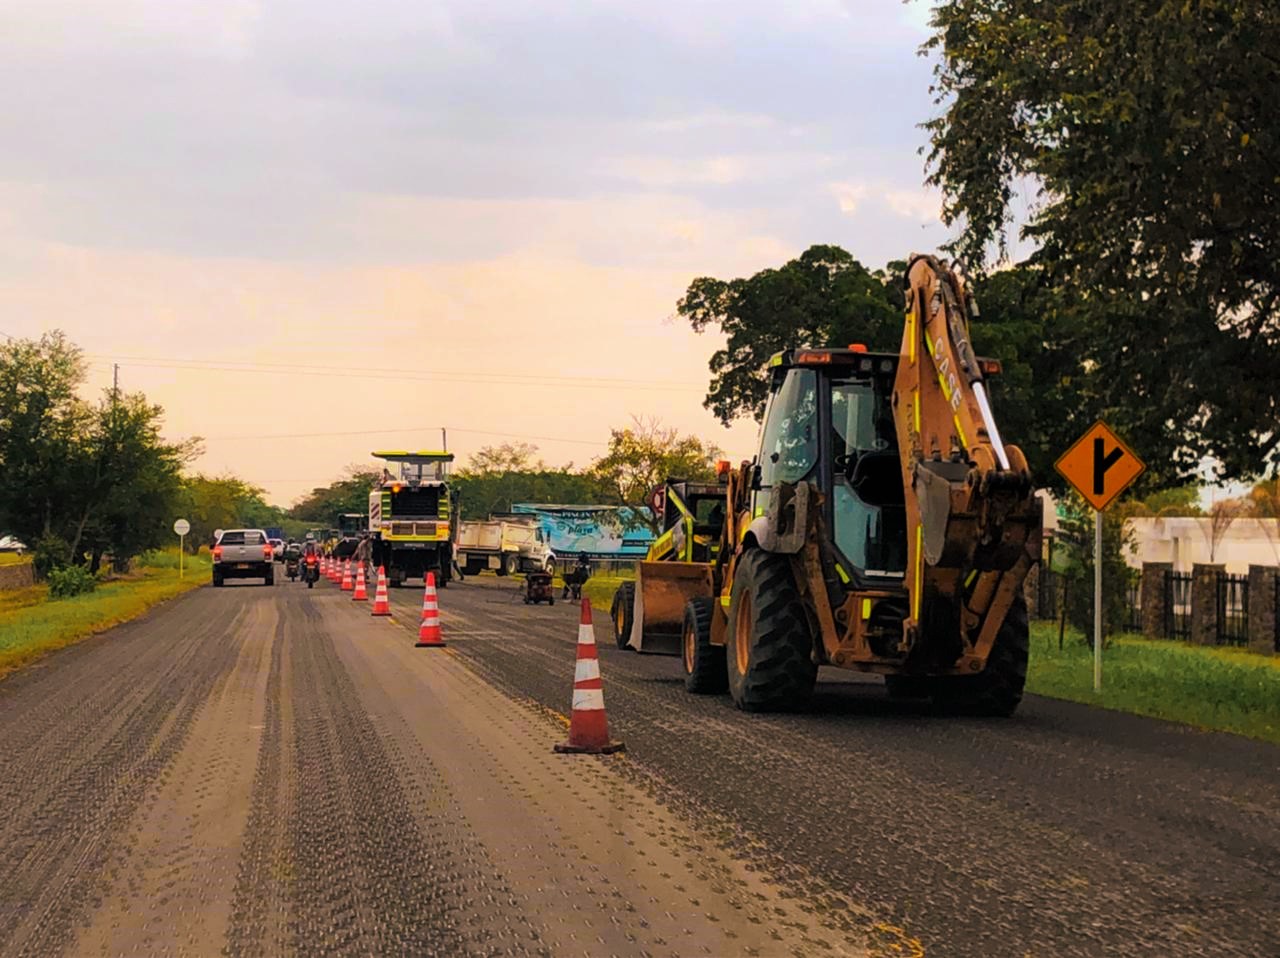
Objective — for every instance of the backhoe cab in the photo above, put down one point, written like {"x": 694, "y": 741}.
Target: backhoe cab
{"x": 884, "y": 526}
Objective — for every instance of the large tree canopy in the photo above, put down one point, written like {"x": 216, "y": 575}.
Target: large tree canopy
{"x": 1147, "y": 132}
{"x": 825, "y": 297}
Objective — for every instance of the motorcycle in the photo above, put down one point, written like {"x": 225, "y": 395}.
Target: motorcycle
{"x": 291, "y": 568}
{"x": 311, "y": 571}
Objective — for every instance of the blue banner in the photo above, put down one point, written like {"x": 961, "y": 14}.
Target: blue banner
{"x": 602, "y": 532}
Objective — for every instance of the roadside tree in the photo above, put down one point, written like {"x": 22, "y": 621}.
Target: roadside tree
{"x": 641, "y": 456}
{"x": 1142, "y": 137}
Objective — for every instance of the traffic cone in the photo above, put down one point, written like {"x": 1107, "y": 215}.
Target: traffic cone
{"x": 360, "y": 595}
{"x": 429, "y": 634}
{"x": 381, "y": 603}
{"x": 335, "y": 570}
{"x": 324, "y": 567}
{"x": 588, "y": 726}
{"x": 347, "y": 584}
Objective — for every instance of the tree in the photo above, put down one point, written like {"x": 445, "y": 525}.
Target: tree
{"x": 1146, "y": 131}
{"x": 1074, "y": 559}
{"x": 42, "y": 425}
{"x": 349, "y": 494}
{"x": 95, "y": 479}
{"x": 644, "y": 455}
{"x": 1222, "y": 515}
{"x": 823, "y": 298}
{"x": 219, "y": 502}
{"x": 508, "y": 457}
{"x": 497, "y": 477}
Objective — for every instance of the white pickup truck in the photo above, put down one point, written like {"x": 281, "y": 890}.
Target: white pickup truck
{"x": 244, "y": 554}
{"x": 506, "y": 546}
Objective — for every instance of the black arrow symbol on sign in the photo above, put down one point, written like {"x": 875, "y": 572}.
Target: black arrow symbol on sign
{"x": 1103, "y": 461}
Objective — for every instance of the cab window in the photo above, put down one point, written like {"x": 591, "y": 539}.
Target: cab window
{"x": 790, "y": 440}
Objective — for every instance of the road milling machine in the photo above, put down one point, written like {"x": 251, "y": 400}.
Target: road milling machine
{"x": 884, "y": 526}
{"x": 412, "y": 517}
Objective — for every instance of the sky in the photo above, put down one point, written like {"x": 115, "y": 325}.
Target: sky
{"x": 312, "y": 229}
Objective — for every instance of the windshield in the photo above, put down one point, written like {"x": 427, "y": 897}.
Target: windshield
{"x": 789, "y": 446}
{"x": 867, "y": 502}
{"x": 708, "y": 514}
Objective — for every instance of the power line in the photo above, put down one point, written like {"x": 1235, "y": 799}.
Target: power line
{"x": 395, "y": 374}
{"x": 382, "y": 432}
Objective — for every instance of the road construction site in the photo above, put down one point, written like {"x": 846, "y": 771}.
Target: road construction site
{"x": 262, "y": 771}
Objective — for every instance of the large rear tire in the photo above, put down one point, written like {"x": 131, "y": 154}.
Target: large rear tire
{"x": 997, "y": 689}
{"x": 704, "y": 668}
{"x": 622, "y": 612}
{"x": 770, "y": 653}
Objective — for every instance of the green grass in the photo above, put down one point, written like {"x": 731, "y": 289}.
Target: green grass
{"x": 32, "y": 625}
{"x": 1228, "y": 690}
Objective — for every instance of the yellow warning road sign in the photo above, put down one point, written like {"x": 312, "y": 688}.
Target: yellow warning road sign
{"x": 1100, "y": 465}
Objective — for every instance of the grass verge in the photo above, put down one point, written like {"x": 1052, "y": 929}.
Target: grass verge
{"x": 32, "y": 625}
{"x": 1226, "y": 690}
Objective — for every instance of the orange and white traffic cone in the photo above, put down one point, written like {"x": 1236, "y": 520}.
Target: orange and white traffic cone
{"x": 429, "y": 634}
{"x": 335, "y": 571}
{"x": 381, "y": 602}
{"x": 588, "y": 726}
{"x": 360, "y": 595}
{"x": 324, "y": 567}
{"x": 347, "y": 584}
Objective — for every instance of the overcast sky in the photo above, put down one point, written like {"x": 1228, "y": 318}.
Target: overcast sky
{"x": 498, "y": 201}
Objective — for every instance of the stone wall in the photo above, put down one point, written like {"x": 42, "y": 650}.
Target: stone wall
{"x": 1153, "y": 598}
{"x": 16, "y": 576}
{"x": 1204, "y": 602}
{"x": 1262, "y": 608}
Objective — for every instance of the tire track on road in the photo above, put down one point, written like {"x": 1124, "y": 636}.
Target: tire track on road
{"x": 88, "y": 765}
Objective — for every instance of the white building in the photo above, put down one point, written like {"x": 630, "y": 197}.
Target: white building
{"x": 1187, "y": 540}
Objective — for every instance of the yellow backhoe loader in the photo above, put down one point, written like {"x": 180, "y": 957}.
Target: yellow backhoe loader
{"x": 884, "y": 526}
{"x": 648, "y": 614}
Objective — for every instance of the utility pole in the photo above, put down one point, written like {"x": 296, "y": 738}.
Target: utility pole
{"x": 444, "y": 438}
{"x": 115, "y": 382}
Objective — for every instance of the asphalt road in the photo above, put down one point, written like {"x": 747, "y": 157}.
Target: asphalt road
{"x": 254, "y": 771}
{"x": 1064, "y": 831}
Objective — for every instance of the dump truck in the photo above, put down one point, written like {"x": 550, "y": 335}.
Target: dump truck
{"x": 411, "y": 517}
{"x": 884, "y": 526}
{"x": 504, "y": 545}
{"x": 648, "y": 614}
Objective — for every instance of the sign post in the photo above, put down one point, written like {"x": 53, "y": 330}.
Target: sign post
{"x": 181, "y": 527}
{"x": 1099, "y": 476}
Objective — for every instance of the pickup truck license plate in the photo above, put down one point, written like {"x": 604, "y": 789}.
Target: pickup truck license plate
{"x": 242, "y": 565}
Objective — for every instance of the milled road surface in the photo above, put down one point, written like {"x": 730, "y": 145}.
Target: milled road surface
{"x": 271, "y": 771}
{"x": 1063, "y": 831}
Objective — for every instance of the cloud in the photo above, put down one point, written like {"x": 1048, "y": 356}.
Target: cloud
{"x": 848, "y": 195}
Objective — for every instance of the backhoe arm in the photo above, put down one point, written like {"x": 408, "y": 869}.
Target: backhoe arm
{"x": 973, "y": 520}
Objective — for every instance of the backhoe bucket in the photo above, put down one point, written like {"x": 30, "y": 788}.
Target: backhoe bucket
{"x": 662, "y": 591}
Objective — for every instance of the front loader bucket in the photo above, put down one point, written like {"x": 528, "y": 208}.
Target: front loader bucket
{"x": 662, "y": 591}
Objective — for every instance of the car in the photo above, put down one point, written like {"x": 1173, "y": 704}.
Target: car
{"x": 277, "y": 549}
{"x": 243, "y": 554}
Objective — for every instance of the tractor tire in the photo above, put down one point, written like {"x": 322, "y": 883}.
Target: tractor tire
{"x": 704, "y": 669}
{"x": 622, "y": 612}
{"x": 997, "y": 689}
{"x": 769, "y": 656}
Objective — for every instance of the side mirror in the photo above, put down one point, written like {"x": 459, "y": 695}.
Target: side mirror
{"x": 755, "y": 477}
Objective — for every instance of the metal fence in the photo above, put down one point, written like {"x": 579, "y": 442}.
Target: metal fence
{"x": 1048, "y": 590}
{"x": 1133, "y": 607}
{"x": 1177, "y": 605}
{"x": 1232, "y": 596}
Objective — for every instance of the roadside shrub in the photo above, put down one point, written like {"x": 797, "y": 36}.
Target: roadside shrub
{"x": 51, "y": 552}
{"x": 70, "y": 580}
